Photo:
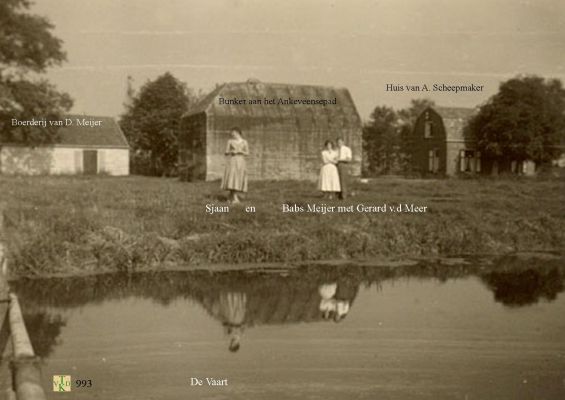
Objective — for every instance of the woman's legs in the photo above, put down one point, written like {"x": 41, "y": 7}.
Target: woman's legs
{"x": 234, "y": 197}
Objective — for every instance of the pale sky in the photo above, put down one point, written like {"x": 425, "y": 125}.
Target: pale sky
{"x": 358, "y": 44}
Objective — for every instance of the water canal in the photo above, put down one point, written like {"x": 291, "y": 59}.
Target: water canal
{"x": 421, "y": 332}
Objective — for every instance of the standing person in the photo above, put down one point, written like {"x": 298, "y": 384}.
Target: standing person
{"x": 328, "y": 182}
{"x": 235, "y": 175}
{"x": 343, "y": 159}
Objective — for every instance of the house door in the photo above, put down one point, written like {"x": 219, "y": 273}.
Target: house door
{"x": 90, "y": 162}
{"x": 433, "y": 161}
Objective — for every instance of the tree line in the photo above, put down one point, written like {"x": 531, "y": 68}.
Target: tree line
{"x": 525, "y": 120}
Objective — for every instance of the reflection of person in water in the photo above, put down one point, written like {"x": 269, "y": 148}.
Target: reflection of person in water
{"x": 242, "y": 301}
{"x": 345, "y": 295}
{"x": 328, "y": 303}
{"x": 337, "y": 299}
{"x": 342, "y": 308}
{"x": 230, "y": 308}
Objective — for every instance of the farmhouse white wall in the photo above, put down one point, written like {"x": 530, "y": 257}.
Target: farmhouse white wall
{"x": 60, "y": 160}
{"x": 116, "y": 161}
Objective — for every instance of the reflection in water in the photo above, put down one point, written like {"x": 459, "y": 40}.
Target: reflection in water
{"x": 337, "y": 298}
{"x": 240, "y": 300}
{"x": 44, "y": 328}
{"x": 521, "y": 288}
{"x": 230, "y": 309}
{"x": 328, "y": 303}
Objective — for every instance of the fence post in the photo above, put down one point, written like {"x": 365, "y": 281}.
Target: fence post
{"x": 26, "y": 372}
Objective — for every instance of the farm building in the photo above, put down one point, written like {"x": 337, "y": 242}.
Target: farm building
{"x": 80, "y": 148}
{"x": 285, "y": 137}
{"x": 438, "y": 146}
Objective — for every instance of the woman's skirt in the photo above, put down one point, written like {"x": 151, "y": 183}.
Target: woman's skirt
{"x": 329, "y": 179}
{"x": 235, "y": 175}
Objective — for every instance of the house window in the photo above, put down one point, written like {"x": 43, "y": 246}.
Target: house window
{"x": 470, "y": 161}
{"x": 522, "y": 167}
{"x": 433, "y": 161}
{"x": 428, "y": 132}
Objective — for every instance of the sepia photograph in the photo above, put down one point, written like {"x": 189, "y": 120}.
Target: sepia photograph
{"x": 308, "y": 199}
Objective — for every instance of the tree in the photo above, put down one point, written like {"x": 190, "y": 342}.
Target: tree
{"x": 525, "y": 120}
{"x": 27, "y": 48}
{"x": 410, "y": 114}
{"x": 152, "y": 124}
{"x": 381, "y": 140}
{"x": 384, "y": 136}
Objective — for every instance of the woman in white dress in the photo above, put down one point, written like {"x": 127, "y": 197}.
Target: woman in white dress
{"x": 235, "y": 175}
{"x": 328, "y": 182}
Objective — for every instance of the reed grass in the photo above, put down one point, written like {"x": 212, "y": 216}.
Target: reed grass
{"x": 66, "y": 224}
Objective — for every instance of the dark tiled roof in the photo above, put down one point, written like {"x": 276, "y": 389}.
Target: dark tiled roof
{"x": 340, "y": 114}
{"x": 108, "y": 134}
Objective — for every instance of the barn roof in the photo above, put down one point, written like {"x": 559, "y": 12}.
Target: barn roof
{"x": 108, "y": 134}
{"x": 342, "y": 113}
{"x": 455, "y": 120}
{"x": 105, "y": 134}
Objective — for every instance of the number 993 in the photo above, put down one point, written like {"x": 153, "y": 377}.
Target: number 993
{"x": 83, "y": 383}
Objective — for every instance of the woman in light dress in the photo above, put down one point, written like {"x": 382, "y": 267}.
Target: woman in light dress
{"x": 235, "y": 175}
{"x": 328, "y": 182}
{"x": 231, "y": 308}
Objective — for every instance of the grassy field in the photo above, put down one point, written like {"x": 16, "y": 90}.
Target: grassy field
{"x": 77, "y": 224}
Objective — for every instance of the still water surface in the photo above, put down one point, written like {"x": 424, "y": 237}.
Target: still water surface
{"x": 313, "y": 333}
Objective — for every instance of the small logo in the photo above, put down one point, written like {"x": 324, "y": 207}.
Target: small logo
{"x": 61, "y": 383}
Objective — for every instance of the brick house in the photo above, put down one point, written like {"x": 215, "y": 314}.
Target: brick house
{"x": 438, "y": 145}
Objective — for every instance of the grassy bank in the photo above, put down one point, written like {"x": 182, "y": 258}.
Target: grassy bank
{"x": 61, "y": 224}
